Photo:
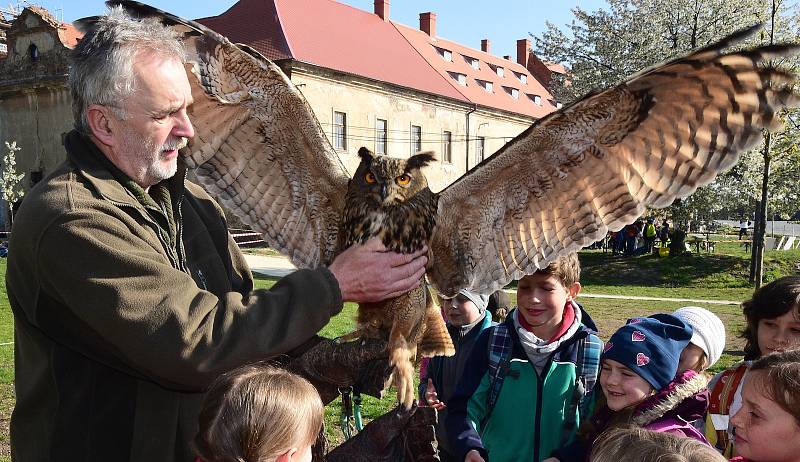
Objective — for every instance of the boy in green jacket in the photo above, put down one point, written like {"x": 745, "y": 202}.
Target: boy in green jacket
{"x": 531, "y": 378}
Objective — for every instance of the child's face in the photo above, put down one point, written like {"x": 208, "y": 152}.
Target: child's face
{"x": 541, "y": 299}
{"x": 460, "y": 310}
{"x": 764, "y": 431}
{"x": 622, "y": 386}
{"x": 690, "y": 357}
{"x": 779, "y": 334}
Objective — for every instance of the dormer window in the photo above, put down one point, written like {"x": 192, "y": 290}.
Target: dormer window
{"x": 522, "y": 77}
{"x": 446, "y": 55}
{"x": 497, "y": 70}
{"x": 559, "y": 105}
{"x": 33, "y": 52}
{"x": 459, "y": 77}
{"x": 486, "y": 85}
{"x": 536, "y": 99}
{"x": 472, "y": 62}
{"x": 512, "y": 91}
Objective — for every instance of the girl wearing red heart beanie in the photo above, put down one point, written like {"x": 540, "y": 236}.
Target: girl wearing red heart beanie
{"x": 640, "y": 385}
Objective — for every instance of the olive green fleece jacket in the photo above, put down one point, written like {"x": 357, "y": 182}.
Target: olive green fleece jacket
{"x": 124, "y": 315}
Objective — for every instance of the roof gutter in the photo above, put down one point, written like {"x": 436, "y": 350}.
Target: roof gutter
{"x": 466, "y": 157}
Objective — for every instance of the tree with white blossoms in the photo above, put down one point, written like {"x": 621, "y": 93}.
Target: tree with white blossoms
{"x": 10, "y": 179}
{"x": 603, "y": 47}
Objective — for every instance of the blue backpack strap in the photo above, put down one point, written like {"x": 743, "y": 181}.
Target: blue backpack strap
{"x": 499, "y": 349}
{"x": 587, "y": 369}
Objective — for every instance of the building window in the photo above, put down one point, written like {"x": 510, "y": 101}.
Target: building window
{"x": 472, "y": 62}
{"x": 340, "y": 131}
{"x": 447, "y": 147}
{"x": 512, "y": 91}
{"x": 416, "y": 139}
{"x": 499, "y": 71}
{"x": 446, "y": 55}
{"x": 33, "y": 52}
{"x": 536, "y": 99}
{"x": 522, "y": 77}
{"x": 559, "y": 105}
{"x": 485, "y": 85}
{"x": 380, "y": 136}
{"x": 458, "y": 77}
{"x": 480, "y": 144}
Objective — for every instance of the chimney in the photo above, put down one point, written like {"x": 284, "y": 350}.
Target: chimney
{"x": 382, "y": 9}
{"x": 523, "y": 47}
{"x": 427, "y": 23}
{"x": 485, "y": 43}
{"x": 507, "y": 57}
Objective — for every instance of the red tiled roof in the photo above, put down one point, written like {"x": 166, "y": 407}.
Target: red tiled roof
{"x": 69, "y": 35}
{"x": 255, "y": 23}
{"x": 343, "y": 38}
{"x": 500, "y": 95}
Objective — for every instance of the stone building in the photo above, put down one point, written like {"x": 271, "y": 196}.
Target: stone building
{"x": 393, "y": 88}
{"x": 35, "y": 106}
{"x": 371, "y": 82}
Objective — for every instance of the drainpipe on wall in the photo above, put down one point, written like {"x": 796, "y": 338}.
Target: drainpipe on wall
{"x": 466, "y": 157}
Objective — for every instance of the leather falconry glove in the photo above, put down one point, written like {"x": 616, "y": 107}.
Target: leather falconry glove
{"x": 330, "y": 366}
{"x": 399, "y": 435}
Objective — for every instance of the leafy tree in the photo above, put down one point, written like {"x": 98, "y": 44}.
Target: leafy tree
{"x": 602, "y": 48}
{"x": 10, "y": 179}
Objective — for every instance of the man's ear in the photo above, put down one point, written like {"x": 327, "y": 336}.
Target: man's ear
{"x": 574, "y": 290}
{"x": 287, "y": 456}
{"x": 101, "y": 123}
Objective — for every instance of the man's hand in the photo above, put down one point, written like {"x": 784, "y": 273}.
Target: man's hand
{"x": 432, "y": 398}
{"x": 473, "y": 456}
{"x": 396, "y": 435}
{"x": 371, "y": 273}
{"x": 330, "y": 365}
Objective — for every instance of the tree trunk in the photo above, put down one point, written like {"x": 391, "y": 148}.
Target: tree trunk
{"x": 760, "y": 226}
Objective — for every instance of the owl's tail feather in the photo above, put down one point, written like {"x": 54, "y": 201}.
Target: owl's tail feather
{"x": 436, "y": 341}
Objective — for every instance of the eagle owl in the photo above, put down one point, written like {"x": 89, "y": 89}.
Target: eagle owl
{"x": 563, "y": 183}
{"x": 389, "y": 198}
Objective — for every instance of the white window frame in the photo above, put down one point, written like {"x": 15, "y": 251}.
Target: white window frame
{"x": 414, "y": 143}
{"x": 381, "y": 137}
{"x": 447, "y": 147}
{"x": 337, "y": 138}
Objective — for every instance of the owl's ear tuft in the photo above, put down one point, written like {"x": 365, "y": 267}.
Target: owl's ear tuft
{"x": 365, "y": 154}
{"x": 420, "y": 160}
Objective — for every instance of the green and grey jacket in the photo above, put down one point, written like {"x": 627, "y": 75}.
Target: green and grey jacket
{"x": 127, "y": 305}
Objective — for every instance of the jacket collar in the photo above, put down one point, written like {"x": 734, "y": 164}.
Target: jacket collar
{"x": 685, "y": 398}
{"x": 108, "y": 180}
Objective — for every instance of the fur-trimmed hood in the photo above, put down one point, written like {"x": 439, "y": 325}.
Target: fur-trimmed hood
{"x": 685, "y": 399}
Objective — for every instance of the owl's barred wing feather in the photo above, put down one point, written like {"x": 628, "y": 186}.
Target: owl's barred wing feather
{"x": 258, "y": 145}
{"x": 595, "y": 165}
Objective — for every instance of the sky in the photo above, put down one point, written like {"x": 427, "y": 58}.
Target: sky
{"x": 503, "y": 22}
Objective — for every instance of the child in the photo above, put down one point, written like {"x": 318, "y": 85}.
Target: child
{"x": 640, "y": 445}
{"x": 773, "y": 324}
{"x": 259, "y": 413}
{"x": 767, "y": 426}
{"x": 640, "y": 386}
{"x": 530, "y": 378}
{"x": 467, "y": 316}
{"x": 708, "y": 338}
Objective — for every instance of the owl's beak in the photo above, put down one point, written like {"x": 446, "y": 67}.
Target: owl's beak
{"x": 384, "y": 192}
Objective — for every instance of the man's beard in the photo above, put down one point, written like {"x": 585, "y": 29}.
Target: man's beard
{"x": 143, "y": 148}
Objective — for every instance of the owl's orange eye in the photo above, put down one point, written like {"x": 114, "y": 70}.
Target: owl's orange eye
{"x": 403, "y": 180}
{"x": 370, "y": 178}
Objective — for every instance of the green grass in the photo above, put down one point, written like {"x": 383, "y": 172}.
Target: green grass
{"x": 718, "y": 276}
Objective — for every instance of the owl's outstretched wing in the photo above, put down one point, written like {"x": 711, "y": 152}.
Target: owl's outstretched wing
{"x": 258, "y": 145}
{"x": 595, "y": 165}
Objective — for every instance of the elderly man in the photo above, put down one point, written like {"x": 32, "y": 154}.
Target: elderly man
{"x": 129, "y": 295}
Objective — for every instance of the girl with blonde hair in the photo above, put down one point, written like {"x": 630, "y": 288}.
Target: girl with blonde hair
{"x": 259, "y": 413}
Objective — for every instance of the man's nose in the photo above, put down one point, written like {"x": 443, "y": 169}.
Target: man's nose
{"x": 184, "y": 126}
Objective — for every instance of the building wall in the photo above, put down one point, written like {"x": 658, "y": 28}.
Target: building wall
{"x": 364, "y": 101}
{"x": 36, "y": 118}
